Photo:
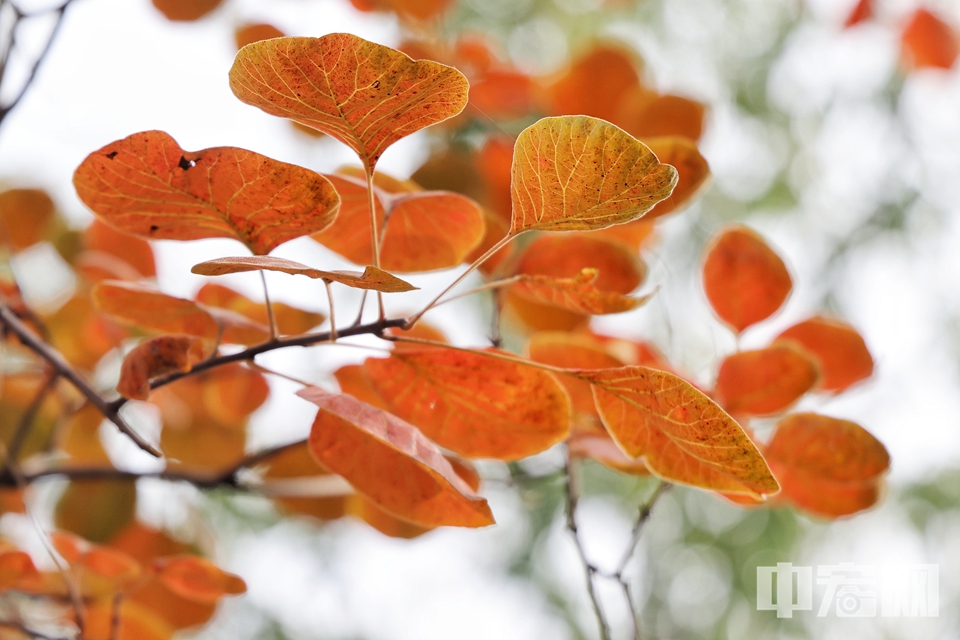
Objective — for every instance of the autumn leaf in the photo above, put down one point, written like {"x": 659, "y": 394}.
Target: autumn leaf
{"x": 25, "y": 215}
{"x": 827, "y": 466}
{"x": 600, "y": 448}
{"x": 197, "y": 579}
{"x": 578, "y": 294}
{"x": 364, "y": 94}
{"x": 646, "y": 114}
{"x": 290, "y": 320}
{"x": 147, "y": 185}
{"x": 861, "y": 12}
{"x": 185, "y": 10}
{"x": 582, "y": 173}
{"x": 620, "y": 270}
{"x": 371, "y": 278}
{"x": 692, "y": 172}
{"x": 744, "y": 279}
{"x": 596, "y": 82}
{"x": 928, "y": 41}
{"x": 391, "y": 462}
{"x": 765, "y": 381}
{"x": 474, "y": 404}
{"x": 504, "y": 94}
{"x": 136, "y": 253}
{"x": 837, "y": 347}
{"x": 682, "y": 435}
{"x": 250, "y": 33}
{"x": 157, "y": 357}
{"x": 96, "y": 509}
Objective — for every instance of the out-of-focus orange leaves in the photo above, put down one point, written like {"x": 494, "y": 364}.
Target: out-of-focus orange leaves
{"x": 426, "y": 230}
{"x": 744, "y": 279}
{"x": 862, "y": 12}
{"x": 197, "y": 579}
{"x": 391, "y": 462}
{"x": 185, "y": 10}
{"x": 143, "y": 543}
{"x": 148, "y": 308}
{"x": 316, "y": 492}
{"x": 582, "y": 173}
{"x": 595, "y": 83}
{"x": 495, "y": 166}
{"x": 134, "y": 622}
{"x": 147, "y": 185}
{"x": 578, "y": 294}
{"x": 599, "y": 447}
{"x": 18, "y": 393}
{"x": 290, "y": 320}
{"x": 82, "y": 335}
{"x": 928, "y": 41}
{"x": 25, "y": 215}
{"x": 826, "y": 466}
{"x": 645, "y": 114}
{"x": 496, "y": 229}
{"x": 364, "y": 94}
{"x": 250, "y": 33}
{"x": 692, "y": 172}
{"x": 371, "y": 278}
{"x": 632, "y": 235}
{"x": 102, "y": 239}
{"x": 504, "y": 94}
{"x": 156, "y": 357}
{"x": 766, "y": 381}
{"x": 567, "y": 255}
{"x": 682, "y": 434}
{"x": 837, "y": 347}
{"x": 96, "y": 509}
{"x": 16, "y": 568}
{"x": 471, "y": 403}
{"x": 420, "y": 10}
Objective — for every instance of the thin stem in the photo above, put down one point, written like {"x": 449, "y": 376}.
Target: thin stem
{"x": 271, "y": 372}
{"x": 65, "y": 370}
{"x": 333, "y": 319}
{"x": 363, "y": 303}
{"x": 642, "y": 516}
{"x": 476, "y": 263}
{"x": 266, "y": 297}
{"x": 26, "y": 421}
{"x": 490, "y": 286}
{"x": 374, "y": 232}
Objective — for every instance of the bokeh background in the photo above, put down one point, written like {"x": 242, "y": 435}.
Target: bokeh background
{"x": 819, "y": 136}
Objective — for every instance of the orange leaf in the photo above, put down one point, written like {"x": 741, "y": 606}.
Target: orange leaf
{"x": 96, "y": 509}
{"x": 132, "y": 620}
{"x": 744, "y": 279}
{"x": 837, "y": 347}
{"x": 15, "y": 567}
{"x": 391, "y": 462}
{"x": 567, "y": 255}
{"x": 928, "y": 41}
{"x": 862, "y": 12}
{"x": 364, "y": 94}
{"x": 474, "y": 404}
{"x": 147, "y": 185}
{"x": 250, "y": 33}
{"x": 601, "y": 448}
{"x": 101, "y": 237}
{"x": 25, "y": 215}
{"x": 827, "y": 466}
{"x": 185, "y": 10}
{"x": 81, "y": 334}
{"x": 426, "y": 230}
{"x": 692, "y": 172}
{"x": 197, "y": 579}
{"x": 371, "y": 278}
{"x": 578, "y": 294}
{"x": 681, "y": 433}
{"x": 596, "y": 82}
{"x": 647, "y": 115}
{"x": 301, "y": 485}
{"x": 157, "y": 357}
{"x": 766, "y": 381}
{"x": 146, "y": 307}
{"x": 385, "y": 522}
{"x": 533, "y": 316}
{"x": 290, "y": 320}
{"x": 577, "y": 172}
{"x": 502, "y": 94}
{"x": 495, "y": 166}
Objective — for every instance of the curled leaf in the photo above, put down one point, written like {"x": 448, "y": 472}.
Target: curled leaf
{"x": 147, "y": 185}
{"x": 156, "y": 357}
{"x": 582, "y": 173}
{"x": 371, "y": 278}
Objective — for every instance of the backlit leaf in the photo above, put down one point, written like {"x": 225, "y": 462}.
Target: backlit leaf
{"x": 156, "y": 357}
{"x": 692, "y": 172}
{"x": 577, "y": 172}
{"x": 290, "y": 320}
{"x": 567, "y": 255}
{"x": 101, "y": 237}
{"x": 25, "y": 215}
{"x": 682, "y": 435}
{"x": 197, "y": 579}
{"x": 391, "y": 462}
{"x": 928, "y": 41}
{"x": 837, "y": 347}
{"x": 578, "y": 294}
{"x": 473, "y": 404}
{"x": 765, "y": 381}
{"x": 250, "y": 33}
{"x": 645, "y": 114}
{"x": 185, "y": 10}
{"x": 504, "y": 94}
{"x": 599, "y": 447}
{"x": 148, "y": 308}
{"x": 595, "y": 83}
{"x": 364, "y": 94}
{"x": 147, "y": 185}
{"x": 371, "y": 278}
{"x": 744, "y": 279}
{"x": 827, "y": 466}
{"x": 82, "y": 334}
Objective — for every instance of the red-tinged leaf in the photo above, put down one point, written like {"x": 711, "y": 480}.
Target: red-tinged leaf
{"x": 682, "y": 434}
{"x": 601, "y": 448}
{"x": 744, "y": 279}
{"x": 157, "y": 357}
{"x": 422, "y": 10}
{"x": 928, "y": 41}
{"x": 474, "y": 53}
{"x": 647, "y": 115}
{"x": 391, "y": 462}
{"x": 148, "y": 308}
{"x": 474, "y": 404}
{"x": 70, "y": 546}
{"x": 147, "y": 185}
{"x": 426, "y": 230}
{"x": 578, "y": 294}
{"x": 197, "y": 579}
{"x": 371, "y": 278}
{"x": 154, "y": 597}
{"x": 250, "y": 33}
{"x": 766, "y": 381}
{"x": 104, "y": 571}
{"x": 16, "y": 567}
{"x": 504, "y": 94}
{"x": 185, "y": 10}
{"x": 862, "y": 12}
{"x": 364, "y": 94}
{"x": 826, "y": 466}
{"x": 595, "y": 83}
{"x": 25, "y": 215}
{"x": 837, "y": 347}
{"x": 692, "y": 172}
{"x": 133, "y": 251}
{"x": 581, "y": 173}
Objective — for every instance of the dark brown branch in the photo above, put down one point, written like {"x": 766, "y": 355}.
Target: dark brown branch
{"x": 10, "y": 320}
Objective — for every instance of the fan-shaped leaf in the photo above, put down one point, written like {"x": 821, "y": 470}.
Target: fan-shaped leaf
{"x": 371, "y": 278}
{"x": 147, "y": 185}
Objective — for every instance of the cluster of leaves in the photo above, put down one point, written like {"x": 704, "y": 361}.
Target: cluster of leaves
{"x": 393, "y": 446}
{"x": 927, "y": 39}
